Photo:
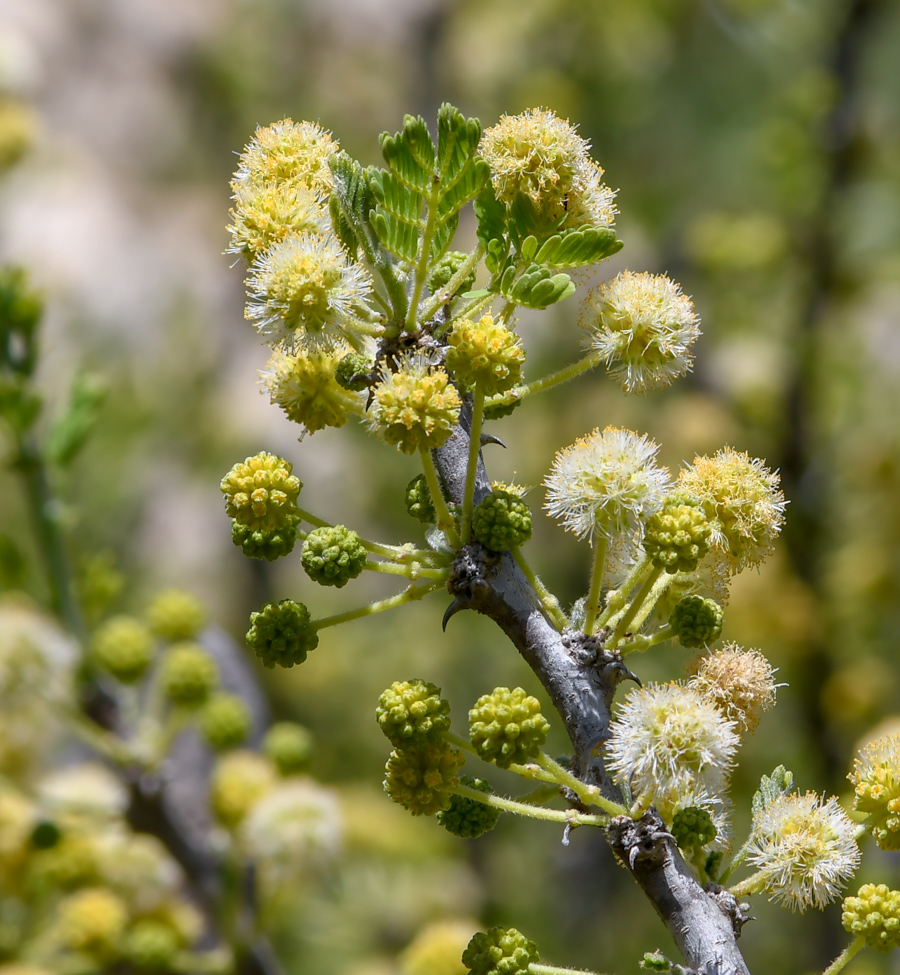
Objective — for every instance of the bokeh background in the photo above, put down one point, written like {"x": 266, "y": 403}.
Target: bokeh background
{"x": 756, "y": 148}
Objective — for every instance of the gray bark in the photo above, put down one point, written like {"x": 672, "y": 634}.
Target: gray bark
{"x": 581, "y": 677}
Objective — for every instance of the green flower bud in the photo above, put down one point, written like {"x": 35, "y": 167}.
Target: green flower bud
{"x": 506, "y": 727}
{"x": 265, "y": 544}
{"x": 420, "y": 777}
{"x": 353, "y": 372}
{"x": 418, "y": 501}
{"x": 188, "y": 674}
{"x": 150, "y": 946}
{"x": 412, "y": 712}
{"x": 261, "y": 492}
{"x": 697, "y": 621}
{"x": 282, "y": 633}
{"x": 466, "y": 817}
{"x": 333, "y": 556}
{"x": 176, "y": 615}
{"x": 874, "y": 914}
{"x": 239, "y": 780}
{"x": 225, "y": 721}
{"x": 289, "y": 746}
{"x": 123, "y": 647}
{"x": 692, "y": 828}
{"x": 500, "y": 951}
{"x": 485, "y": 354}
{"x": 501, "y": 521}
{"x": 677, "y": 536}
{"x": 445, "y": 268}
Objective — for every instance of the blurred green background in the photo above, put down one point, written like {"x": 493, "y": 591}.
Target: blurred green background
{"x": 756, "y": 148}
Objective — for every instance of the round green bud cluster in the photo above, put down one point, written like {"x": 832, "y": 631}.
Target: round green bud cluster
{"x": 353, "y": 370}
{"x": 874, "y": 914}
{"x": 485, "y": 354}
{"x": 176, "y": 615}
{"x": 123, "y": 647}
{"x": 188, "y": 674}
{"x": 445, "y": 268}
{"x": 501, "y": 521}
{"x": 697, "y": 621}
{"x": 420, "y": 777}
{"x": 333, "y": 556}
{"x": 418, "y": 501}
{"x": 150, "y": 946}
{"x": 416, "y": 407}
{"x": 506, "y": 726}
{"x": 497, "y": 411}
{"x": 261, "y": 492}
{"x": 467, "y": 817}
{"x": 261, "y": 543}
{"x": 693, "y": 827}
{"x": 500, "y": 951}
{"x": 677, "y": 536}
{"x": 225, "y": 721}
{"x": 289, "y": 747}
{"x": 282, "y": 633}
{"x": 412, "y": 712}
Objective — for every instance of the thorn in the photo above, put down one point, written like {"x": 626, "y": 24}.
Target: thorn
{"x": 452, "y": 610}
{"x": 567, "y": 833}
{"x": 629, "y": 675}
{"x": 632, "y": 856}
{"x": 490, "y": 438}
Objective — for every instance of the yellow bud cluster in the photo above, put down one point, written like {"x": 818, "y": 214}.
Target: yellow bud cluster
{"x": 485, "y": 354}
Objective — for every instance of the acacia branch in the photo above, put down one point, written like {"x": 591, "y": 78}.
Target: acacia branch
{"x": 581, "y": 677}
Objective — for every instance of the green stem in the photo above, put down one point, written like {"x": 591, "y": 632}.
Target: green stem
{"x": 752, "y": 885}
{"x": 409, "y": 595}
{"x": 396, "y": 291}
{"x": 473, "y": 307}
{"x": 459, "y": 742}
{"x": 455, "y": 281}
{"x": 638, "y": 601}
{"x": 422, "y": 266}
{"x": 547, "y": 382}
{"x": 569, "y": 817}
{"x": 444, "y": 518}
{"x": 845, "y": 956}
{"x": 592, "y": 606}
{"x": 588, "y": 794}
{"x": 46, "y": 522}
{"x": 412, "y": 571}
{"x": 658, "y": 588}
{"x": 640, "y": 643}
{"x": 507, "y": 313}
{"x": 472, "y": 465}
{"x": 616, "y": 600}
{"x": 549, "y": 602}
{"x": 538, "y": 969}
{"x": 403, "y": 554}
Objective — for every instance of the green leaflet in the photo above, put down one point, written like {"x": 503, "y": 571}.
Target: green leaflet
{"x": 535, "y": 287}
{"x": 772, "y": 787}
{"x": 418, "y": 198}
{"x": 492, "y": 228}
{"x": 576, "y": 248}
{"x": 350, "y": 204}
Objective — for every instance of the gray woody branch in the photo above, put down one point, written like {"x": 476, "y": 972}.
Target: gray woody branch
{"x": 581, "y": 678}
